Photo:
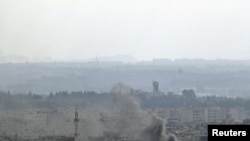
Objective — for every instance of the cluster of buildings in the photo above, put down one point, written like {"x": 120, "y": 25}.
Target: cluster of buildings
{"x": 198, "y": 115}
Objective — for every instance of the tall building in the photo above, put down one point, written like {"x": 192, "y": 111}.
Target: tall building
{"x": 155, "y": 86}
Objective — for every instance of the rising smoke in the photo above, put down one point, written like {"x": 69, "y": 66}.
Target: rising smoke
{"x": 156, "y": 131}
{"x": 133, "y": 121}
{"x": 130, "y": 119}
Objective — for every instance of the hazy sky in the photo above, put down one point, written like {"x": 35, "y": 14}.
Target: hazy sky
{"x": 144, "y": 29}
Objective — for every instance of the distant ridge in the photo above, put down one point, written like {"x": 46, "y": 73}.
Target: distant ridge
{"x": 23, "y": 59}
{"x": 14, "y": 59}
{"x": 128, "y": 59}
{"x": 118, "y": 58}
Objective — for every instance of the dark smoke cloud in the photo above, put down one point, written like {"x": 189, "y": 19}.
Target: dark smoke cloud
{"x": 129, "y": 119}
{"x": 132, "y": 121}
{"x": 156, "y": 131}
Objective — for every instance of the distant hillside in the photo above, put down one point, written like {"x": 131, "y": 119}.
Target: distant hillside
{"x": 118, "y": 58}
{"x": 213, "y": 78}
{"x": 13, "y": 59}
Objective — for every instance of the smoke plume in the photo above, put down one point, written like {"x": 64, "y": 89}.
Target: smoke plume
{"x": 134, "y": 122}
